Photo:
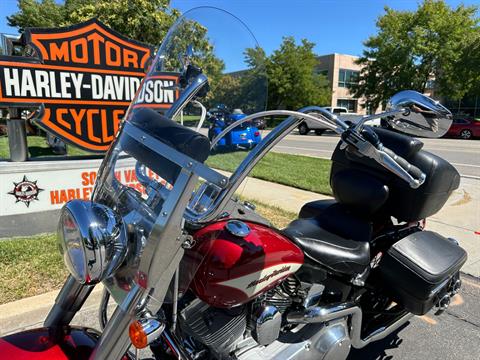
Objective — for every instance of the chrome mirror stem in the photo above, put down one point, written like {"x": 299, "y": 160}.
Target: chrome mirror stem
{"x": 191, "y": 90}
{"x": 359, "y": 125}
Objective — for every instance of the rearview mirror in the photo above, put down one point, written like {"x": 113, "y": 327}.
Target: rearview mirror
{"x": 421, "y": 115}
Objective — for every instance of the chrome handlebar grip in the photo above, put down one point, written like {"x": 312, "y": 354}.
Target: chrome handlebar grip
{"x": 392, "y": 162}
{"x": 402, "y": 168}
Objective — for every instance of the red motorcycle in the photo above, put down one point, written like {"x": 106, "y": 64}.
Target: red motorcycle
{"x": 197, "y": 274}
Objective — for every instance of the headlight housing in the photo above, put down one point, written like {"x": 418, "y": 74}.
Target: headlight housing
{"x": 92, "y": 240}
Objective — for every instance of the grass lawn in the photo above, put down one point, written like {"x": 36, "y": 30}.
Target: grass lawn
{"x": 299, "y": 171}
{"x": 32, "y": 265}
{"x": 303, "y": 172}
{"x": 37, "y": 146}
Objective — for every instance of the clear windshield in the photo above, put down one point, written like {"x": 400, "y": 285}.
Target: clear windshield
{"x": 217, "y": 44}
{"x": 137, "y": 178}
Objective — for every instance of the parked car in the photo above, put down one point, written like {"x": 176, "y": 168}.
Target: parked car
{"x": 337, "y": 109}
{"x": 350, "y": 118}
{"x": 464, "y": 128}
{"x": 260, "y": 123}
{"x": 305, "y": 127}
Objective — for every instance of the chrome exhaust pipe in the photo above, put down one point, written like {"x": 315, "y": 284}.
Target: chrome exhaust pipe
{"x": 322, "y": 314}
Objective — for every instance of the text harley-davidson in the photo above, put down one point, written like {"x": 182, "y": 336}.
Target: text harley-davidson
{"x": 198, "y": 274}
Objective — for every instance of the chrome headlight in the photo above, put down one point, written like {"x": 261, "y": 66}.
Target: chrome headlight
{"x": 92, "y": 240}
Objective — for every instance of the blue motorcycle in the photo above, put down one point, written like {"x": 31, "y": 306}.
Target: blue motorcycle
{"x": 243, "y": 137}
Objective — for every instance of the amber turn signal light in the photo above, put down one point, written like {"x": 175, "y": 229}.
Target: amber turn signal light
{"x": 137, "y": 335}
{"x": 144, "y": 331}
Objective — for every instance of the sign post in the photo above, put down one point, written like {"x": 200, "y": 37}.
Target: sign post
{"x": 17, "y": 136}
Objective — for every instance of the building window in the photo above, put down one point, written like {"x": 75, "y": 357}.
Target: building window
{"x": 323, "y": 72}
{"x": 351, "y": 105}
{"x": 347, "y": 78}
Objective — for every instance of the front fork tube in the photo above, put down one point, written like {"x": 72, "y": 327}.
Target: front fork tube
{"x": 114, "y": 342}
{"x": 70, "y": 299}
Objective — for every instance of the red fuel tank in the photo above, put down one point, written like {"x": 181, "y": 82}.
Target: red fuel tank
{"x": 234, "y": 269}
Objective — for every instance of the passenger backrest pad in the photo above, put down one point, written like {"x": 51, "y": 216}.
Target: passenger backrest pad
{"x": 367, "y": 187}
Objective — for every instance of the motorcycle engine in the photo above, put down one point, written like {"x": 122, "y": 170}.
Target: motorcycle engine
{"x": 217, "y": 329}
{"x": 255, "y": 331}
{"x": 223, "y": 331}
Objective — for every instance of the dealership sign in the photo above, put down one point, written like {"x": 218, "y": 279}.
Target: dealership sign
{"x": 48, "y": 185}
{"x": 85, "y": 77}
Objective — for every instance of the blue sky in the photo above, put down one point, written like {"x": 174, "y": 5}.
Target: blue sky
{"x": 334, "y": 25}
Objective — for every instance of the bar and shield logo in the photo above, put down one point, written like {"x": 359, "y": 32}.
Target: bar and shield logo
{"x": 84, "y": 77}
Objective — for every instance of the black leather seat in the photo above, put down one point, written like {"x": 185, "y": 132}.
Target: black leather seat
{"x": 338, "y": 219}
{"x": 332, "y": 251}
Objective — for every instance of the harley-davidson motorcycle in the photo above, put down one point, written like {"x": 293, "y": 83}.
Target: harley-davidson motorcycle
{"x": 198, "y": 274}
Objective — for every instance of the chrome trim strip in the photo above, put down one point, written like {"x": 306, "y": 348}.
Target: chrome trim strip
{"x": 175, "y": 301}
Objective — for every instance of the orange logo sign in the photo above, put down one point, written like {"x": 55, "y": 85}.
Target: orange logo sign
{"x": 85, "y": 76}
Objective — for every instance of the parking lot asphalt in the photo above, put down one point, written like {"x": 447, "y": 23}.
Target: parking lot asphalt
{"x": 455, "y": 334}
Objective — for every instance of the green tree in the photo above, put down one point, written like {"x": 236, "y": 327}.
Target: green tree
{"x": 469, "y": 65}
{"x": 143, "y": 20}
{"x": 413, "y": 47}
{"x": 32, "y": 13}
{"x": 293, "y": 82}
{"x": 245, "y": 89}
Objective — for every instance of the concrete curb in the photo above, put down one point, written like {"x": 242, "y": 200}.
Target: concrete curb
{"x": 31, "y": 312}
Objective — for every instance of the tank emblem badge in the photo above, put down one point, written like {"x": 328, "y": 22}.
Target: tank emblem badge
{"x": 257, "y": 281}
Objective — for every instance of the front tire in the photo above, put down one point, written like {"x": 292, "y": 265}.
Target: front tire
{"x": 303, "y": 129}
{"x": 466, "y": 134}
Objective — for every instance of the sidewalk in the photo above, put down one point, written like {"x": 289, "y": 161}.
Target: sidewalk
{"x": 459, "y": 218}
{"x": 31, "y": 312}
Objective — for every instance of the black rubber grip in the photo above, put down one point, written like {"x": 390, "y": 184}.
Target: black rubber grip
{"x": 414, "y": 171}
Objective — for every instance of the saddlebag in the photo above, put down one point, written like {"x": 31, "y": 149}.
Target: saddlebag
{"x": 421, "y": 269}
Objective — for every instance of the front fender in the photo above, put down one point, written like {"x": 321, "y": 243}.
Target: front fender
{"x": 63, "y": 343}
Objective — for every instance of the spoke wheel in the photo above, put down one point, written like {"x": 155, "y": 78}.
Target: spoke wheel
{"x": 466, "y": 134}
